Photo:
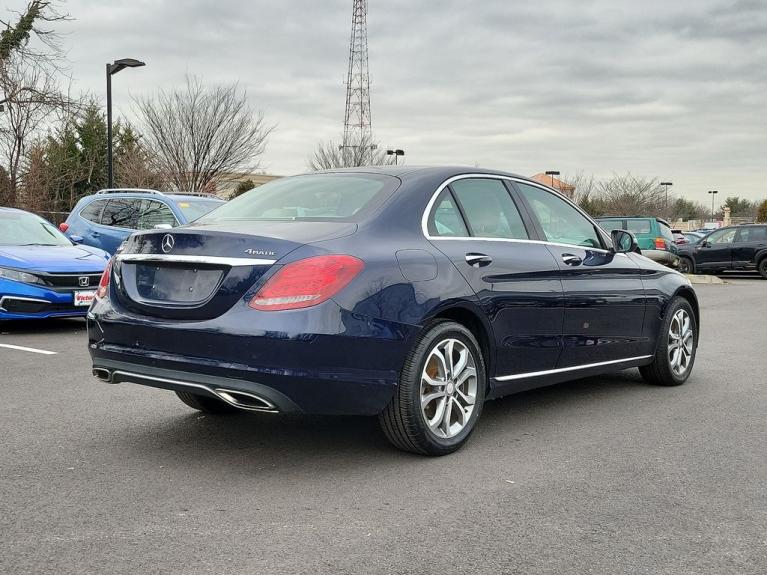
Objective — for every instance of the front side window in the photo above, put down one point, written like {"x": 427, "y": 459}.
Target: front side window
{"x": 445, "y": 219}
{"x": 560, "y": 221}
{"x": 155, "y": 213}
{"x": 490, "y": 212}
{"x": 310, "y": 197}
{"x": 122, "y": 213}
{"x": 612, "y": 224}
{"x": 722, "y": 236}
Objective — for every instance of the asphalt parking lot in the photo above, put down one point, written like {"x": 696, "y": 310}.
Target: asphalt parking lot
{"x": 603, "y": 475}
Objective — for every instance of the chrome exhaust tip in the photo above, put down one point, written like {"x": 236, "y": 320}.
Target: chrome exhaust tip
{"x": 102, "y": 374}
{"x": 244, "y": 400}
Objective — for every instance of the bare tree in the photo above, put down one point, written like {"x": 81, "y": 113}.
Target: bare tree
{"x": 31, "y": 95}
{"x": 366, "y": 152}
{"x": 29, "y": 87}
{"x": 630, "y": 195}
{"x": 203, "y": 136}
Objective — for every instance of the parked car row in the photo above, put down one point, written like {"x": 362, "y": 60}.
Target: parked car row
{"x": 653, "y": 235}
{"x": 47, "y": 272}
{"x": 730, "y": 248}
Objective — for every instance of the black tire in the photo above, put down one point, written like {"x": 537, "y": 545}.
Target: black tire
{"x": 206, "y": 404}
{"x": 686, "y": 265}
{"x": 762, "y": 267}
{"x": 660, "y": 371}
{"x": 403, "y": 421}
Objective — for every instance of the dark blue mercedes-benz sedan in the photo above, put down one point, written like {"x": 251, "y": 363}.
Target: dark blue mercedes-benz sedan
{"x": 413, "y": 294}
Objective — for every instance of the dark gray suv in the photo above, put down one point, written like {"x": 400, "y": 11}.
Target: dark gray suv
{"x": 730, "y": 248}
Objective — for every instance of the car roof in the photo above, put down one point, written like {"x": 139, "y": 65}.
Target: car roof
{"x": 405, "y": 172}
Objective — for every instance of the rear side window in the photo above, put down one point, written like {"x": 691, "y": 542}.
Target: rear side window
{"x": 641, "y": 227}
{"x": 753, "y": 234}
{"x": 725, "y": 236}
{"x": 490, "y": 212}
{"x": 561, "y": 222}
{"x": 92, "y": 212}
{"x": 445, "y": 219}
{"x": 122, "y": 213}
{"x": 154, "y": 213}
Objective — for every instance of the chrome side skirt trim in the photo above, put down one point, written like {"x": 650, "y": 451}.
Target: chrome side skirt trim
{"x": 215, "y": 260}
{"x": 566, "y": 369}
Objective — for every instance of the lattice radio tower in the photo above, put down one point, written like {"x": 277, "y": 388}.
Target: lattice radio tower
{"x": 357, "y": 123}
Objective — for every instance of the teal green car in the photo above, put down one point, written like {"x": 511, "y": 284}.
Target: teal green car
{"x": 653, "y": 236}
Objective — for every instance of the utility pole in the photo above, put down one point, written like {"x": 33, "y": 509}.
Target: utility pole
{"x": 665, "y": 188}
{"x": 713, "y": 195}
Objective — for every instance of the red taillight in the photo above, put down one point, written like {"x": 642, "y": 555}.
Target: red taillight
{"x": 306, "y": 283}
{"x": 63, "y": 227}
{"x": 660, "y": 244}
{"x": 103, "y": 288}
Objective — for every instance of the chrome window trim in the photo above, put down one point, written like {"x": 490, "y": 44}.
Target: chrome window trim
{"x": 566, "y": 369}
{"x": 215, "y": 260}
{"x": 443, "y": 185}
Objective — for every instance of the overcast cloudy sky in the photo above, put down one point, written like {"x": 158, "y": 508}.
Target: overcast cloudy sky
{"x": 676, "y": 90}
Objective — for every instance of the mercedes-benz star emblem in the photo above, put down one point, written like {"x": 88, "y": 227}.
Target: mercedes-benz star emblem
{"x": 167, "y": 243}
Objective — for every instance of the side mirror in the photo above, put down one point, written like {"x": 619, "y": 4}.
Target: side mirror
{"x": 163, "y": 227}
{"x": 77, "y": 239}
{"x": 705, "y": 244}
{"x": 624, "y": 242}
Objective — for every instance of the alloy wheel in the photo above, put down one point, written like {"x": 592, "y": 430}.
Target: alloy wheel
{"x": 680, "y": 342}
{"x": 448, "y": 391}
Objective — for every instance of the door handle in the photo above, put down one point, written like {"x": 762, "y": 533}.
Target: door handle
{"x": 571, "y": 260}
{"x": 478, "y": 260}
{"x": 95, "y": 234}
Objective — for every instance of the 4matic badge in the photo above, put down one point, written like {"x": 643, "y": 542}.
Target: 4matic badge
{"x": 252, "y": 252}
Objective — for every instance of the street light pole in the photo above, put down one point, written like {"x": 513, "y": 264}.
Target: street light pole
{"x": 552, "y": 173}
{"x": 112, "y": 69}
{"x": 665, "y": 188}
{"x": 395, "y": 153}
{"x": 713, "y": 194}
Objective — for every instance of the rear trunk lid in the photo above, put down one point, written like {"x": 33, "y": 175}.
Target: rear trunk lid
{"x": 199, "y": 272}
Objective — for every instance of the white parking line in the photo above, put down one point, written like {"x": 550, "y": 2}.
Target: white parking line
{"x": 29, "y": 349}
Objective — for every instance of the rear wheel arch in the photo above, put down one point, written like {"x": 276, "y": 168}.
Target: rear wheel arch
{"x": 479, "y": 327}
{"x": 688, "y": 294}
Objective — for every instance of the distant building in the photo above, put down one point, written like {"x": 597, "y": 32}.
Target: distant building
{"x": 229, "y": 183}
{"x": 563, "y": 188}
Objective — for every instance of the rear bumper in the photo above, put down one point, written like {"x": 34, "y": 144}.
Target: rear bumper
{"x": 350, "y": 367}
{"x": 662, "y": 257}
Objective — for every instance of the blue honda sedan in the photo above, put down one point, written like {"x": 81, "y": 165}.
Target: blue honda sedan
{"x": 42, "y": 273}
{"x": 412, "y": 294}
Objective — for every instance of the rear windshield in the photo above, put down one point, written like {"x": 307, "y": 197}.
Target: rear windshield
{"x": 310, "y": 197}
{"x": 193, "y": 209}
{"x": 665, "y": 231}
